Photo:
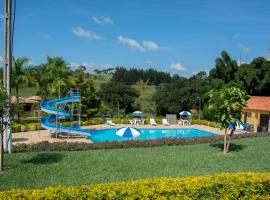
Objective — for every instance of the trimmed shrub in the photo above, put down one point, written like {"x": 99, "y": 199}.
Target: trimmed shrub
{"x": 16, "y": 127}
{"x": 220, "y": 186}
{"x": 32, "y": 127}
{"x": 207, "y": 123}
{"x": 79, "y": 146}
{"x": 23, "y": 128}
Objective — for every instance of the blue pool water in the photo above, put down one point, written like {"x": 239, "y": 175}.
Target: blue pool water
{"x": 148, "y": 134}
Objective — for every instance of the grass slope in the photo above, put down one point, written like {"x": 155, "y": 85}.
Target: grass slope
{"x": 26, "y": 92}
{"x": 43, "y": 169}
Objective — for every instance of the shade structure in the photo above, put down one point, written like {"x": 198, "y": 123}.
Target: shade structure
{"x": 137, "y": 113}
{"x": 185, "y": 113}
{"x": 128, "y": 132}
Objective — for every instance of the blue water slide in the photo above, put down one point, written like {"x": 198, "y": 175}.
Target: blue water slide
{"x": 48, "y": 122}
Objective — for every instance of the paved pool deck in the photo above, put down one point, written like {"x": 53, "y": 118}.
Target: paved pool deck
{"x": 45, "y": 135}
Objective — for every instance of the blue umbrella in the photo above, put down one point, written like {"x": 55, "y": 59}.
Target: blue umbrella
{"x": 137, "y": 113}
{"x": 128, "y": 132}
{"x": 185, "y": 113}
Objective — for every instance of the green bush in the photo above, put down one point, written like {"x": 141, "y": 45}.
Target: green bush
{"x": 32, "y": 126}
{"x": 80, "y": 146}
{"x": 23, "y": 128}
{"x": 16, "y": 127}
{"x": 220, "y": 186}
{"x": 207, "y": 123}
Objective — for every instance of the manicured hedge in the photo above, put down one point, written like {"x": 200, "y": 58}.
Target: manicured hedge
{"x": 221, "y": 186}
{"x": 79, "y": 146}
{"x": 205, "y": 122}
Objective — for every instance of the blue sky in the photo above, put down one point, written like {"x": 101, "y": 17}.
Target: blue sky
{"x": 181, "y": 37}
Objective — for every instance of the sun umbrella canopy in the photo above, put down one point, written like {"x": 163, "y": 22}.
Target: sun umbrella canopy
{"x": 137, "y": 113}
{"x": 128, "y": 132}
{"x": 185, "y": 113}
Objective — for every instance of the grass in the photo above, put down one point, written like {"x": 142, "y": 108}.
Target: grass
{"x": 43, "y": 169}
{"x": 101, "y": 78}
{"x": 26, "y": 92}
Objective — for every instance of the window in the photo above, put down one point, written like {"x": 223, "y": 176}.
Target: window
{"x": 248, "y": 114}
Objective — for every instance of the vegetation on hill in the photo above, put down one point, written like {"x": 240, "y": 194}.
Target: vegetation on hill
{"x": 151, "y": 91}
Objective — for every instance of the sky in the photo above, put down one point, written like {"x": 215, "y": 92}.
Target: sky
{"x": 176, "y": 36}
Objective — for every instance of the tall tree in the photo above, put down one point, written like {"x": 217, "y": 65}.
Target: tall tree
{"x": 225, "y": 68}
{"x": 58, "y": 73}
{"x": 227, "y": 104}
{"x": 118, "y": 94}
{"x": 19, "y": 77}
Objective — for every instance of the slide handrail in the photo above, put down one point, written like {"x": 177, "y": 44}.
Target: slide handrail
{"x": 48, "y": 122}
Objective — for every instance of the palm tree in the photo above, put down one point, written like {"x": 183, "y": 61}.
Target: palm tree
{"x": 58, "y": 73}
{"x": 19, "y": 77}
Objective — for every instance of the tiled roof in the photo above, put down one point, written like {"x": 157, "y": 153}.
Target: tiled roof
{"x": 258, "y": 103}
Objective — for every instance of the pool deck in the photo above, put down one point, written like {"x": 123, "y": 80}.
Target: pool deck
{"x": 45, "y": 135}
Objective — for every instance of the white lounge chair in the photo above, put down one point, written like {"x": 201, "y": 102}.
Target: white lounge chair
{"x": 165, "y": 122}
{"x": 152, "y": 122}
{"x": 110, "y": 123}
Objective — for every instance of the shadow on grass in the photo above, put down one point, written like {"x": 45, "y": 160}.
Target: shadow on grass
{"x": 19, "y": 139}
{"x": 233, "y": 147}
{"x": 44, "y": 158}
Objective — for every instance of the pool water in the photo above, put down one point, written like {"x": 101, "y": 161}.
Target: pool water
{"x": 107, "y": 135}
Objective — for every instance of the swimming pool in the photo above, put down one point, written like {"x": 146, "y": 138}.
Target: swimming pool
{"x": 107, "y": 135}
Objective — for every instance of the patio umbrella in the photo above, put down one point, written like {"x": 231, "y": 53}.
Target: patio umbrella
{"x": 185, "y": 113}
{"x": 137, "y": 113}
{"x": 128, "y": 132}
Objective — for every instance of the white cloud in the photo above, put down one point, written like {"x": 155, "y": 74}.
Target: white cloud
{"x": 240, "y": 62}
{"x": 2, "y": 16}
{"x": 151, "y": 46}
{"x": 268, "y": 56}
{"x": 178, "y": 66}
{"x": 131, "y": 43}
{"x": 80, "y": 32}
{"x": 148, "y": 62}
{"x": 102, "y": 20}
{"x": 145, "y": 46}
{"x": 1, "y": 59}
{"x": 244, "y": 48}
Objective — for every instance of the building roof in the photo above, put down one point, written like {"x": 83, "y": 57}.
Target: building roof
{"x": 193, "y": 111}
{"x": 258, "y": 103}
{"x": 29, "y": 100}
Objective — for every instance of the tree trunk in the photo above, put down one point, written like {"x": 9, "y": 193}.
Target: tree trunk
{"x": 230, "y": 138}
{"x": 225, "y": 142}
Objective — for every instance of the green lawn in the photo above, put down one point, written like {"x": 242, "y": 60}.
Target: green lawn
{"x": 43, "y": 169}
{"x": 26, "y": 92}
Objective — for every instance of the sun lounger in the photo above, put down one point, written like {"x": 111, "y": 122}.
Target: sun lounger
{"x": 152, "y": 122}
{"x": 131, "y": 122}
{"x": 110, "y": 123}
{"x": 165, "y": 122}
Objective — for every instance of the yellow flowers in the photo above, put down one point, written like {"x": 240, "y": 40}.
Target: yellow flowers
{"x": 220, "y": 186}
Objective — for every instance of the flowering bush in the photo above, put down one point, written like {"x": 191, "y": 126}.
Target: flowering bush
{"x": 221, "y": 186}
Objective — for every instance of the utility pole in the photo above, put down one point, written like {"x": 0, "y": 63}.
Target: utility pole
{"x": 7, "y": 69}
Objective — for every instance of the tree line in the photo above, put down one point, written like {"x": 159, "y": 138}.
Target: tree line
{"x": 151, "y": 91}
